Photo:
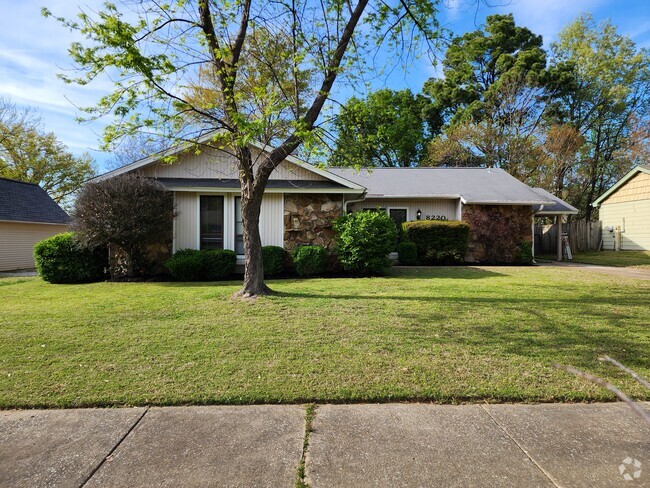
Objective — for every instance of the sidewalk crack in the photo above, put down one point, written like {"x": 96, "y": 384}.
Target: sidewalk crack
{"x": 521, "y": 448}
{"x": 310, "y": 413}
{"x": 119, "y": 442}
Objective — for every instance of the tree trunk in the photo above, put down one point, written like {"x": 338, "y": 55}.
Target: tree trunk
{"x": 251, "y": 205}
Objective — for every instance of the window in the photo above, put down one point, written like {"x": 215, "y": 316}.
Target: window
{"x": 211, "y": 224}
{"x": 239, "y": 230}
{"x": 399, "y": 216}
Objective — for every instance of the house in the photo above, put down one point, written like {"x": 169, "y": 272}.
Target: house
{"x": 625, "y": 212}
{"x": 27, "y": 215}
{"x": 302, "y": 200}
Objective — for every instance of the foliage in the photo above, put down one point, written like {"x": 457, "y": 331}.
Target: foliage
{"x": 364, "y": 240}
{"x": 29, "y": 153}
{"x": 270, "y": 68}
{"x": 273, "y": 259}
{"x": 525, "y": 252}
{"x": 438, "y": 242}
{"x": 204, "y": 265}
{"x": 310, "y": 260}
{"x": 500, "y": 234}
{"x": 128, "y": 211}
{"x": 608, "y": 97}
{"x": 389, "y": 128}
{"x": 476, "y": 64}
{"x": 60, "y": 259}
{"x": 407, "y": 252}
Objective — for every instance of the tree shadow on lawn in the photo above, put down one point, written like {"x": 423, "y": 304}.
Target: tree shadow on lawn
{"x": 445, "y": 272}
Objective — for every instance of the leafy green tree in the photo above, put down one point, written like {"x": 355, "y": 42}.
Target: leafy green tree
{"x": 157, "y": 49}
{"x": 389, "y": 128}
{"x": 478, "y": 62}
{"x": 29, "y": 153}
{"x": 609, "y": 93}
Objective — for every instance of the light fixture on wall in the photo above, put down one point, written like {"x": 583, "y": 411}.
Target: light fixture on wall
{"x": 418, "y": 214}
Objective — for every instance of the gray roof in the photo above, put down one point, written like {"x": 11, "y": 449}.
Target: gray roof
{"x": 234, "y": 183}
{"x": 28, "y": 202}
{"x": 558, "y": 206}
{"x": 472, "y": 185}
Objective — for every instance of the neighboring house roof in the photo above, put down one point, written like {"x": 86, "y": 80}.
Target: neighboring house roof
{"x": 206, "y": 138}
{"x": 634, "y": 171}
{"x": 28, "y": 202}
{"x": 471, "y": 185}
{"x": 558, "y": 207}
{"x": 231, "y": 183}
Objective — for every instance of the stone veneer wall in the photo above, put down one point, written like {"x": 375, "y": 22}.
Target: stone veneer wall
{"x": 519, "y": 219}
{"x": 308, "y": 219}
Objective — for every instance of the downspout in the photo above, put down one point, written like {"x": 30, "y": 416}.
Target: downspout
{"x": 532, "y": 231}
{"x": 345, "y": 203}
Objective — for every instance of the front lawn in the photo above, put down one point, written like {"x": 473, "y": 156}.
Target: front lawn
{"x": 636, "y": 259}
{"x": 443, "y": 334}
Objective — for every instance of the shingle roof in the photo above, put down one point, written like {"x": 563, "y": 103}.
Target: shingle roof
{"x": 472, "y": 185}
{"x": 28, "y": 202}
{"x": 558, "y": 206}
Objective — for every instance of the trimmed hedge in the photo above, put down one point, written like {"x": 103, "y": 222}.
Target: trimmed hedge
{"x": 310, "y": 260}
{"x": 407, "y": 253}
{"x": 364, "y": 240}
{"x": 59, "y": 259}
{"x": 205, "y": 265}
{"x": 438, "y": 241}
{"x": 273, "y": 260}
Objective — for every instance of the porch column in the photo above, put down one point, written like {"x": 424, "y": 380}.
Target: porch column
{"x": 558, "y": 225}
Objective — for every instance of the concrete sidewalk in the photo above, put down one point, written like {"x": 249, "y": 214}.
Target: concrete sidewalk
{"x": 595, "y": 445}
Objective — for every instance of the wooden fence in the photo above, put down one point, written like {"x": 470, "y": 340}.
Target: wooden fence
{"x": 583, "y": 236}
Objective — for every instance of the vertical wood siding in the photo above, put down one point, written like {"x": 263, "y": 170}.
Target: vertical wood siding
{"x": 17, "y": 243}
{"x": 186, "y": 225}
{"x": 433, "y": 207}
{"x": 219, "y": 164}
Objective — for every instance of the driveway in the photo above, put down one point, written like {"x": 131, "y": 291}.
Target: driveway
{"x": 638, "y": 273}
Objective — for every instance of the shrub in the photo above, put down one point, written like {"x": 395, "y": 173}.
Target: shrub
{"x": 60, "y": 259}
{"x": 364, "y": 240}
{"x": 273, "y": 260}
{"x": 310, "y": 260}
{"x": 206, "y": 265}
{"x": 128, "y": 211}
{"x": 438, "y": 241}
{"x": 408, "y": 253}
{"x": 525, "y": 253}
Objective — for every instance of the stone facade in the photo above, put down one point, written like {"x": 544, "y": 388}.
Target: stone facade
{"x": 308, "y": 220}
{"x": 496, "y": 231}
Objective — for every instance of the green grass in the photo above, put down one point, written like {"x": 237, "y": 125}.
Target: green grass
{"x": 441, "y": 334}
{"x": 624, "y": 259}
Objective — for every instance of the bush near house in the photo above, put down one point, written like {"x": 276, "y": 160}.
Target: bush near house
{"x": 130, "y": 213}
{"x": 60, "y": 259}
{"x": 273, "y": 260}
{"x": 438, "y": 241}
{"x": 407, "y": 253}
{"x": 364, "y": 240}
{"x": 310, "y": 260}
{"x": 206, "y": 265}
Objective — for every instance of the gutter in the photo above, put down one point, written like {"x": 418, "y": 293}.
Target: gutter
{"x": 345, "y": 203}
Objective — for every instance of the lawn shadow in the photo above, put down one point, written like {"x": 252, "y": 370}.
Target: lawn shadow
{"x": 444, "y": 272}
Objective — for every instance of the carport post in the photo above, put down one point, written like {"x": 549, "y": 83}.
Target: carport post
{"x": 558, "y": 225}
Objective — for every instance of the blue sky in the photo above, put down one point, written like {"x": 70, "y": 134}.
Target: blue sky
{"x": 34, "y": 49}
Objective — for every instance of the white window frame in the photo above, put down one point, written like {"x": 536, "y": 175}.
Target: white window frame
{"x": 228, "y": 219}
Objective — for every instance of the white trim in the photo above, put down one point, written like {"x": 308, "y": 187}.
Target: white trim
{"x": 226, "y": 233}
{"x": 174, "y": 226}
{"x": 619, "y": 183}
